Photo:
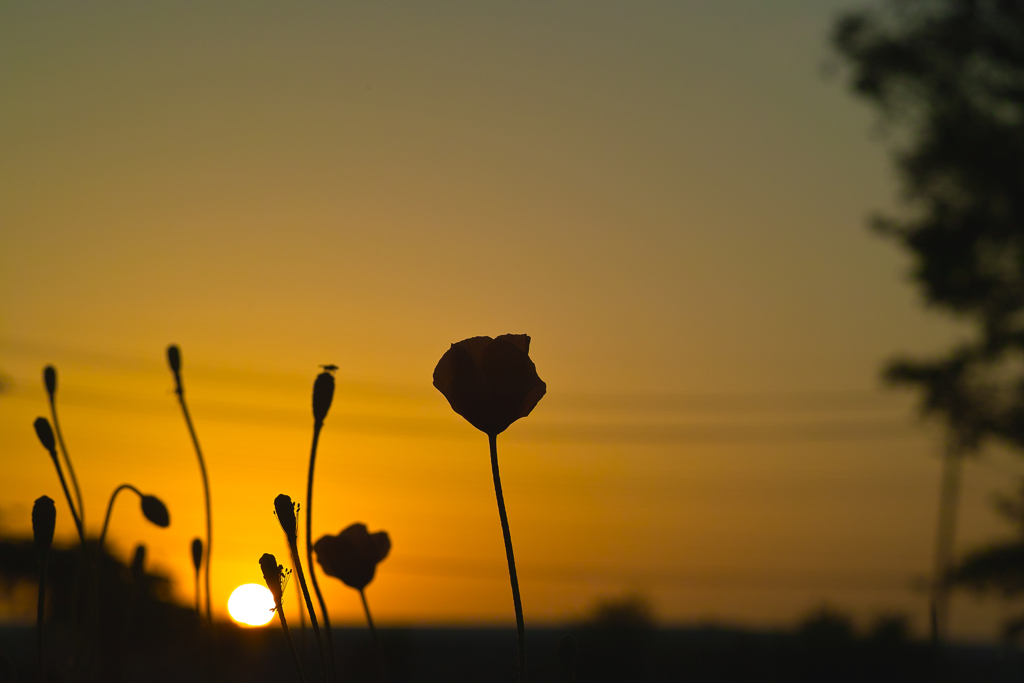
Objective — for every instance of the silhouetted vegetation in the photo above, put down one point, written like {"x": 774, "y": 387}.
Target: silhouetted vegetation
{"x": 948, "y": 74}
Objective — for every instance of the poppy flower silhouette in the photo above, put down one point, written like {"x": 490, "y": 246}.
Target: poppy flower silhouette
{"x": 492, "y": 383}
{"x": 352, "y": 556}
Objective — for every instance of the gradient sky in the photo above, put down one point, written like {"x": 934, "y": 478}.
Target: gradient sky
{"x": 670, "y": 197}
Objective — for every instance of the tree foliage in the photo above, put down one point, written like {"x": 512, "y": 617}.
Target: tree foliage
{"x": 949, "y": 76}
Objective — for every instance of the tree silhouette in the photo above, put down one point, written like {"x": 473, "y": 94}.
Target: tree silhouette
{"x": 949, "y": 75}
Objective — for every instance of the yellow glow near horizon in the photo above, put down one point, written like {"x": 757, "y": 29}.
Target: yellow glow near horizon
{"x": 251, "y": 605}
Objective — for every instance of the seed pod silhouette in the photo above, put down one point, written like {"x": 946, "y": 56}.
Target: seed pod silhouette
{"x": 174, "y": 361}
{"x": 50, "y": 380}
{"x": 272, "y": 574}
{"x": 197, "y": 553}
{"x": 44, "y": 519}
{"x": 45, "y": 433}
{"x": 285, "y": 509}
{"x": 323, "y": 394}
{"x": 155, "y": 511}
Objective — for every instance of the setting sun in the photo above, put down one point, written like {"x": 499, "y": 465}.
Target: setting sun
{"x": 251, "y": 605}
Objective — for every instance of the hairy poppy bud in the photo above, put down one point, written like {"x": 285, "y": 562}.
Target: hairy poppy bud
{"x": 197, "y": 553}
{"x": 139, "y": 564}
{"x": 155, "y": 511}
{"x": 44, "y": 519}
{"x": 45, "y": 433}
{"x": 352, "y": 555}
{"x": 50, "y": 380}
{"x": 272, "y": 575}
{"x": 323, "y": 394}
{"x": 285, "y": 509}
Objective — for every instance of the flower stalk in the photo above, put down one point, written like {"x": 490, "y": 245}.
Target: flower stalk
{"x": 197, "y": 563}
{"x": 50, "y": 382}
{"x": 286, "y": 516}
{"x": 45, "y": 434}
{"x": 323, "y": 395}
{"x": 44, "y": 520}
{"x": 275, "y": 575}
{"x": 174, "y": 361}
{"x": 510, "y": 557}
{"x": 492, "y": 383}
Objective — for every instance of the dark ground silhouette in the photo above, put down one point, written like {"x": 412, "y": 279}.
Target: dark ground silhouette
{"x": 144, "y": 636}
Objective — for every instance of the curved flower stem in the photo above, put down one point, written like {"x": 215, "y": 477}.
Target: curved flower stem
{"x": 110, "y": 509}
{"x": 516, "y": 601}
{"x": 96, "y": 603}
{"x": 317, "y": 426}
{"x": 40, "y": 612}
{"x": 291, "y": 645}
{"x": 67, "y": 461}
{"x": 294, "y": 548}
{"x": 381, "y": 671}
{"x": 180, "y": 391}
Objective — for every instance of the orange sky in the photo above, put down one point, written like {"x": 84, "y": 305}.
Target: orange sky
{"x": 669, "y": 197}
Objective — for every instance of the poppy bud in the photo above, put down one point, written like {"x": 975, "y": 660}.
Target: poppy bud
{"x": 352, "y": 555}
{"x": 272, "y": 575}
{"x": 50, "y": 380}
{"x": 155, "y": 511}
{"x": 44, "y": 519}
{"x": 197, "y": 553}
{"x": 174, "y": 360}
{"x": 490, "y": 382}
{"x": 139, "y": 564}
{"x": 45, "y": 434}
{"x": 323, "y": 394}
{"x": 285, "y": 509}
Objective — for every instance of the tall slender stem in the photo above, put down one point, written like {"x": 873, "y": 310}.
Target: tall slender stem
{"x": 381, "y": 672}
{"x": 294, "y": 548}
{"x": 110, "y": 509}
{"x": 291, "y": 645}
{"x": 67, "y": 461}
{"x": 180, "y": 391}
{"x": 317, "y": 426}
{"x": 198, "y": 613}
{"x": 944, "y": 541}
{"x": 40, "y": 613}
{"x": 67, "y": 494}
{"x": 516, "y": 601}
